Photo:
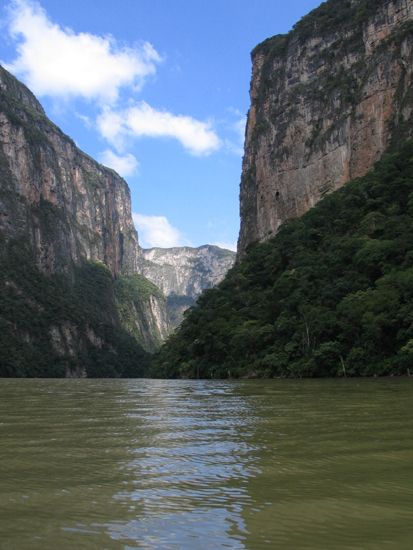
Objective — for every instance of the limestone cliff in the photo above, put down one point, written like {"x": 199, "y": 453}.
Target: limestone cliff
{"x": 326, "y": 101}
{"x": 65, "y": 228}
{"x": 182, "y": 273}
{"x": 45, "y": 176}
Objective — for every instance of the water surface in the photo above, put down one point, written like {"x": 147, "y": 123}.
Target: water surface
{"x": 206, "y": 464}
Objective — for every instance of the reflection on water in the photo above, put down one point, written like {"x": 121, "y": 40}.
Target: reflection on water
{"x": 206, "y": 464}
{"x": 189, "y": 462}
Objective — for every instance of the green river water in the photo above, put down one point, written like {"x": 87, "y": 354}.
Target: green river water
{"x": 95, "y": 464}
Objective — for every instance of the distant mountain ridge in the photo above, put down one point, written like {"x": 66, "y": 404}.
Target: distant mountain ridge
{"x": 182, "y": 273}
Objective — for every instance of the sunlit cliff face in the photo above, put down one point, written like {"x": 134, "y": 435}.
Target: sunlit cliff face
{"x": 324, "y": 101}
{"x": 44, "y": 167}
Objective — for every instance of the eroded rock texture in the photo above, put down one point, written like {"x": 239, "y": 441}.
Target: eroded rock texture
{"x": 326, "y": 101}
{"x": 69, "y": 206}
{"x": 68, "y": 250}
{"x": 182, "y": 273}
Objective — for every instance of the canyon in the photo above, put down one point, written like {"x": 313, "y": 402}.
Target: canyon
{"x": 76, "y": 285}
{"x": 322, "y": 285}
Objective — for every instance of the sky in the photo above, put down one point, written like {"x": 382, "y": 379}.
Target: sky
{"x": 157, "y": 90}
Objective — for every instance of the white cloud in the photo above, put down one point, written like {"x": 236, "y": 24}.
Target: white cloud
{"x": 56, "y": 61}
{"x": 60, "y": 63}
{"x": 85, "y": 119}
{"x": 111, "y": 126}
{"x": 157, "y": 231}
{"x": 125, "y": 165}
{"x": 196, "y": 136}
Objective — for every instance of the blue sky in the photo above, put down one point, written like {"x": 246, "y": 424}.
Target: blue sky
{"x": 157, "y": 89}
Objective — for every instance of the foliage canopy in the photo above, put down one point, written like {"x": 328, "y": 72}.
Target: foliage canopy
{"x": 330, "y": 295}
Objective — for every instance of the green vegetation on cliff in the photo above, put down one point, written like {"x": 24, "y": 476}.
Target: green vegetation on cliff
{"x": 330, "y": 295}
{"x": 59, "y": 325}
{"x": 133, "y": 294}
{"x": 330, "y": 17}
{"x": 60, "y": 314}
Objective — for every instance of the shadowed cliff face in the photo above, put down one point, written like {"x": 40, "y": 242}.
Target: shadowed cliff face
{"x": 67, "y": 205}
{"x": 326, "y": 101}
{"x": 72, "y": 301}
{"x": 68, "y": 217}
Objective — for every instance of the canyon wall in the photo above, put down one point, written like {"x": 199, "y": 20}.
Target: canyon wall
{"x": 327, "y": 100}
{"x": 182, "y": 273}
{"x": 67, "y": 205}
{"x": 68, "y": 250}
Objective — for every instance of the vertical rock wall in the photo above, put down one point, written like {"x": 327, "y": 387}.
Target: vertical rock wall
{"x": 326, "y": 100}
{"x": 68, "y": 206}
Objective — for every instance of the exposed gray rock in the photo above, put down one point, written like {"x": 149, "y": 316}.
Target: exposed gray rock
{"x": 326, "y": 101}
{"x": 44, "y": 176}
{"x": 182, "y": 273}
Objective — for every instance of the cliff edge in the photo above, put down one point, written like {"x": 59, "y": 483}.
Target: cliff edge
{"x": 72, "y": 301}
{"x": 47, "y": 181}
{"x": 327, "y": 100}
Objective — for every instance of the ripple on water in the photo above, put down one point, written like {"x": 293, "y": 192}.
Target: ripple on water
{"x": 206, "y": 464}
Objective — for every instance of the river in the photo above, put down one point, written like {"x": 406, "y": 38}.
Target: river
{"x": 124, "y": 464}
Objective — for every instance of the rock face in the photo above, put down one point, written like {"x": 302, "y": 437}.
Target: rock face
{"x": 182, "y": 273}
{"x": 43, "y": 172}
{"x": 326, "y": 101}
{"x": 185, "y": 270}
{"x": 74, "y": 297}
{"x": 69, "y": 218}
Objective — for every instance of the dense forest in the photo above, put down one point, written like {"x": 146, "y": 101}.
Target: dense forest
{"x": 55, "y": 325}
{"x": 330, "y": 295}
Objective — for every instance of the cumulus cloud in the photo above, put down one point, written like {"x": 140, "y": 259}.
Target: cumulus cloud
{"x": 157, "y": 231}
{"x": 196, "y": 136}
{"x": 111, "y": 126}
{"x": 58, "y": 62}
{"x": 125, "y": 165}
